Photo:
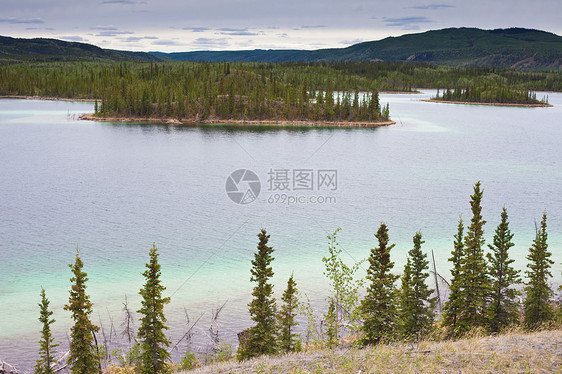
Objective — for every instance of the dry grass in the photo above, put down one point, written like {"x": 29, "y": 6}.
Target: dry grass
{"x": 513, "y": 352}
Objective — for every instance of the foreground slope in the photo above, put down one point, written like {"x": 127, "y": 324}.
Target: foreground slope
{"x": 510, "y": 353}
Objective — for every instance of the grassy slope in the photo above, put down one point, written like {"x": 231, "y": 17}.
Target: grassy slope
{"x": 453, "y": 46}
{"x": 509, "y": 353}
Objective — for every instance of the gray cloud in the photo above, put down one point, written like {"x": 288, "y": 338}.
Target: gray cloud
{"x": 168, "y": 43}
{"x": 239, "y": 33}
{"x": 104, "y": 28}
{"x": 114, "y": 33}
{"x": 196, "y": 29}
{"x": 211, "y": 42}
{"x": 73, "y": 38}
{"x": 229, "y": 29}
{"x": 432, "y": 6}
{"x": 123, "y": 2}
{"x": 312, "y": 26}
{"x": 408, "y": 22}
{"x": 13, "y": 20}
{"x": 351, "y": 42}
{"x": 135, "y": 39}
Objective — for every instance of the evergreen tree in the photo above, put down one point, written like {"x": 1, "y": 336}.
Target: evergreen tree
{"x": 84, "y": 357}
{"x": 503, "y": 309}
{"x": 379, "y": 306}
{"x": 151, "y": 331}
{"x": 538, "y": 293}
{"x": 286, "y": 317}
{"x": 474, "y": 294}
{"x": 262, "y": 337}
{"x": 46, "y": 343}
{"x": 452, "y": 307}
{"x": 416, "y": 304}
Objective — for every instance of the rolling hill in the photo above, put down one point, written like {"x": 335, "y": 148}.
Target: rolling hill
{"x": 47, "y": 50}
{"x": 515, "y": 47}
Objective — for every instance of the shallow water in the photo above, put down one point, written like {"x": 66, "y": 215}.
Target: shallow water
{"x": 113, "y": 189}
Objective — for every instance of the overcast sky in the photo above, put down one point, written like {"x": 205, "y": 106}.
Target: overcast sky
{"x": 187, "y": 25}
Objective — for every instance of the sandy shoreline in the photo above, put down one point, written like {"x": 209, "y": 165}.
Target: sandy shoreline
{"x": 489, "y": 104}
{"x": 49, "y": 98}
{"x": 193, "y": 122}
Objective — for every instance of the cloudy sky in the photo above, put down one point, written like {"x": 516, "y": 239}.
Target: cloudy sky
{"x": 187, "y": 25}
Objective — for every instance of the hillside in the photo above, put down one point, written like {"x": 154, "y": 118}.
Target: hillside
{"x": 516, "y": 47}
{"x": 539, "y": 352}
{"x": 47, "y": 50}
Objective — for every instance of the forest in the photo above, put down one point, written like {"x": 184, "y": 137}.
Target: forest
{"x": 322, "y": 91}
{"x": 486, "y": 293}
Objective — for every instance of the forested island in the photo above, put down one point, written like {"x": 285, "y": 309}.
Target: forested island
{"x": 490, "y": 95}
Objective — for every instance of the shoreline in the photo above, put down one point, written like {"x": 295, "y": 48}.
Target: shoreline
{"x": 217, "y": 121}
{"x": 48, "y": 98}
{"x": 489, "y": 104}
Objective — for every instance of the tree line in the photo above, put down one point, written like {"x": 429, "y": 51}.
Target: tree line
{"x": 255, "y": 91}
{"x": 485, "y": 292}
{"x": 490, "y": 94}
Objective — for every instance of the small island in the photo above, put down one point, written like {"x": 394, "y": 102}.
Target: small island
{"x": 490, "y": 95}
{"x": 177, "y": 94}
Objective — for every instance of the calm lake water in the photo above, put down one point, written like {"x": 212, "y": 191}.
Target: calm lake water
{"x": 113, "y": 189}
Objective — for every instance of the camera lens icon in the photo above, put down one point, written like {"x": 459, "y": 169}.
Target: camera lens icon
{"x": 243, "y": 186}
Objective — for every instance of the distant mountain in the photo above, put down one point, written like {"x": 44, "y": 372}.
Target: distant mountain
{"x": 41, "y": 50}
{"x": 514, "y": 47}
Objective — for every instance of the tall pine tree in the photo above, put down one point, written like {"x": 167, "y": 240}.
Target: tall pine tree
{"x": 538, "y": 293}
{"x": 503, "y": 309}
{"x": 379, "y": 307}
{"x": 151, "y": 335}
{"x": 262, "y": 337}
{"x": 416, "y": 304}
{"x": 46, "y": 343}
{"x": 286, "y": 317}
{"x": 452, "y": 307}
{"x": 474, "y": 294}
{"x": 84, "y": 358}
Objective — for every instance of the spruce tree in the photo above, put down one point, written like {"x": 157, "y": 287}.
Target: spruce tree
{"x": 416, "y": 304}
{"x": 503, "y": 309}
{"x": 537, "y": 308}
{"x": 286, "y": 317}
{"x": 83, "y": 357}
{"x": 452, "y": 307}
{"x": 151, "y": 335}
{"x": 46, "y": 343}
{"x": 474, "y": 294}
{"x": 379, "y": 307}
{"x": 262, "y": 337}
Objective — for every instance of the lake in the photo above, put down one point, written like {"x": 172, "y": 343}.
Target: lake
{"x": 112, "y": 190}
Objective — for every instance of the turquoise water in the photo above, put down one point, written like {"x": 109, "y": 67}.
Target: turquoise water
{"x": 113, "y": 189}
